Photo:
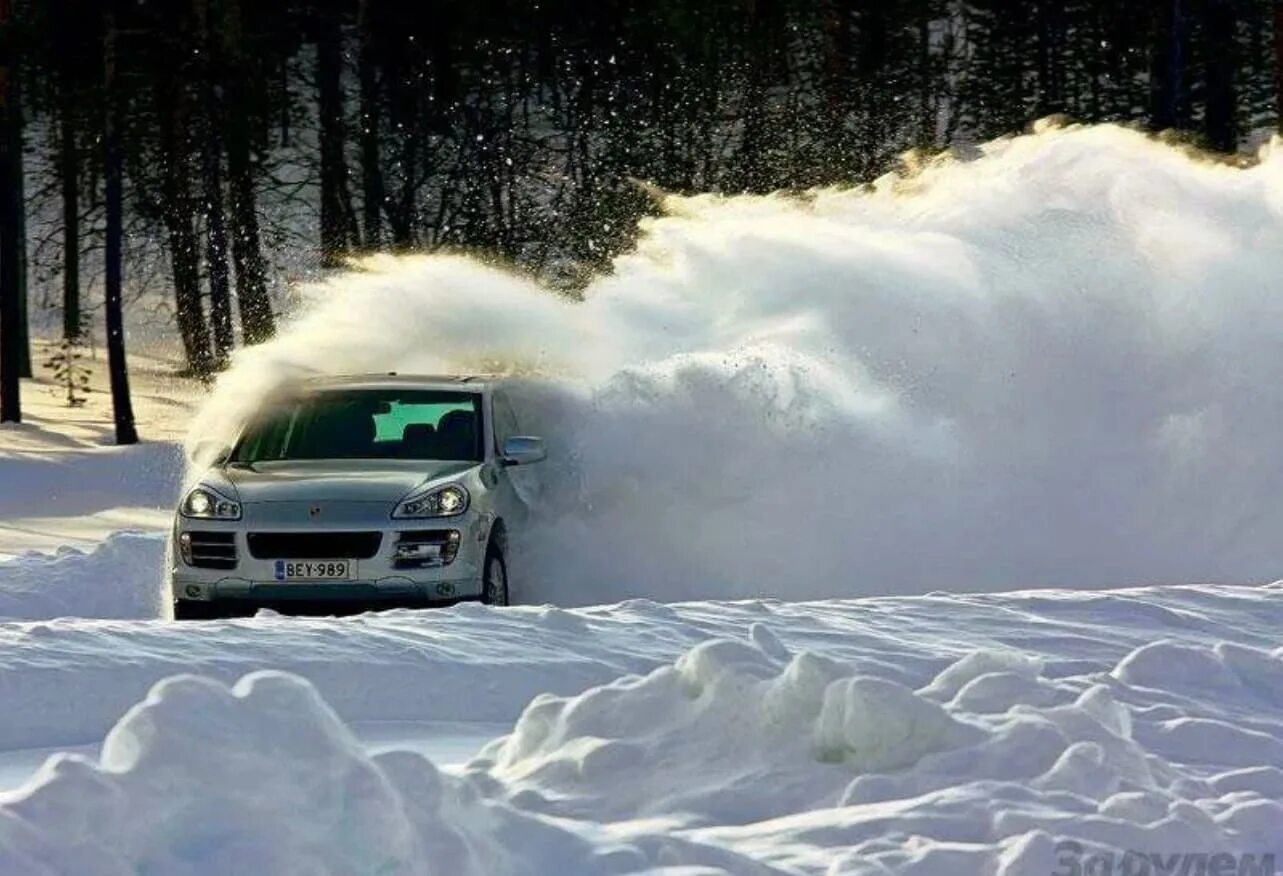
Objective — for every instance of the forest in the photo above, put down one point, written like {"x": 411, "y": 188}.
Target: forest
{"x": 181, "y": 162}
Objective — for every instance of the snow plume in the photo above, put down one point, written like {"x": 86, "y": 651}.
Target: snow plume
{"x": 1055, "y": 363}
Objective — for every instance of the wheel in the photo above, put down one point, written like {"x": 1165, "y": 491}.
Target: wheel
{"x": 494, "y": 586}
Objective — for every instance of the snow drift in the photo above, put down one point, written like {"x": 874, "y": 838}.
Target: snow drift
{"x": 1054, "y": 364}
{"x": 120, "y": 578}
{"x": 261, "y": 778}
{"x": 743, "y": 755}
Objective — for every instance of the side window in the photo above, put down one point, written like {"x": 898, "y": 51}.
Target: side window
{"x": 505, "y": 421}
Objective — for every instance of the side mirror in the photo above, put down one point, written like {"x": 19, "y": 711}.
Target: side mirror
{"x": 208, "y": 452}
{"x": 524, "y": 450}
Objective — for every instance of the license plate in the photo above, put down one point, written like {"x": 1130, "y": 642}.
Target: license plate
{"x": 315, "y": 570}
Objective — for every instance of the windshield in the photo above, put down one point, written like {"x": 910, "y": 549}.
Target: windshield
{"x": 368, "y": 424}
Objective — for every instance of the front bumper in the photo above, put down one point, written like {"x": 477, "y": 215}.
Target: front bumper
{"x": 379, "y": 581}
{"x": 191, "y": 609}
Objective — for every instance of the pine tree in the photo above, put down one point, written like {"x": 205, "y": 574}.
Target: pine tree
{"x": 69, "y": 371}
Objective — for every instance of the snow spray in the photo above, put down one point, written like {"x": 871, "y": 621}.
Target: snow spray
{"x": 1056, "y": 363}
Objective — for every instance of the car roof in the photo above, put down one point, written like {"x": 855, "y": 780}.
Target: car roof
{"x": 395, "y": 380}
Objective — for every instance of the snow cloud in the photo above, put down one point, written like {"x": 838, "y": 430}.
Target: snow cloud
{"x": 1054, "y": 364}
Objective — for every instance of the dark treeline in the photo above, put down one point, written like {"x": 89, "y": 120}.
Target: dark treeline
{"x": 245, "y": 130}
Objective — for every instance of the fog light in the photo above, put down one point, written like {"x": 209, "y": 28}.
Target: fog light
{"x": 415, "y": 551}
{"x": 426, "y": 549}
{"x": 185, "y": 547}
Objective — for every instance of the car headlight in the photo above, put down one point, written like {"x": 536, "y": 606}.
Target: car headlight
{"x": 447, "y": 501}
{"x": 205, "y": 503}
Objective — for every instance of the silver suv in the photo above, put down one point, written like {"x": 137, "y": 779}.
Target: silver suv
{"x": 352, "y": 493}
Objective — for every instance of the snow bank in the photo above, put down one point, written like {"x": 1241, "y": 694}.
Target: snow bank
{"x": 63, "y": 479}
{"x": 745, "y": 749}
{"x": 783, "y": 750}
{"x": 260, "y": 778}
{"x": 1052, "y": 365}
{"x": 120, "y": 578}
{"x": 65, "y": 682}
{"x": 96, "y": 497}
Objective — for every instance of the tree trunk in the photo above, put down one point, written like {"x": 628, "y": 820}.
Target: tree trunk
{"x": 113, "y": 269}
{"x": 1278, "y": 64}
{"x": 409, "y": 124}
{"x": 876, "y": 117}
{"x": 749, "y": 172}
{"x": 836, "y": 75}
{"x": 1167, "y": 68}
{"x": 371, "y": 117}
{"x": 334, "y": 221}
{"x": 928, "y": 120}
{"x": 13, "y": 132}
{"x": 189, "y": 314}
{"x": 69, "y": 168}
{"x": 20, "y": 216}
{"x": 220, "y": 298}
{"x": 257, "y": 322}
{"x": 1050, "y": 27}
{"x": 1220, "y": 119}
{"x": 179, "y": 217}
{"x": 10, "y": 206}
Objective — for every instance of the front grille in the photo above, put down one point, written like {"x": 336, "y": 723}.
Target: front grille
{"x": 314, "y": 545}
{"x": 212, "y": 550}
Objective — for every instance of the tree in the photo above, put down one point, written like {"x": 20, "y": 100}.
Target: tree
{"x": 1167, "y": 69}
{"x": 64, "y": 74}
{"x": 335, "y": 208}
{"x": 257, "y": 322}
{"x": 373, "y": 193}
{"x": 17, "y": 148}
{"x": 518, "y": 129}
{"x": 1050, "y": 27}
{"x": 220, "y": 297}
{"x": 1278, "y": 64}
{"x": 122, "y": 406}
{"x": 69, "y": 169}
{"x": 69, "y": 371}
{"x": 11, "y": 208}
{"x": 178, "y": 214}
{"x": 1220, "y": 50}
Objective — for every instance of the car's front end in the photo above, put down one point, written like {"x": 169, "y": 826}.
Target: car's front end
{"x": 282, "y": 524}
{"x": 328, "y": 550}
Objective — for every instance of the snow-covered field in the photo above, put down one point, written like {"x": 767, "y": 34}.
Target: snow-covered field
{"x": 797, "y": 443}
{"x": 947, "y": 734}
{"x": 60, "y": 487}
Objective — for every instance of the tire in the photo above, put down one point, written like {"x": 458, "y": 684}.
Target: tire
{"x": 494, "y": 582}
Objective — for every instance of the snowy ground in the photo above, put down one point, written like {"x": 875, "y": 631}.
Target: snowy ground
{"x": 942, "y": 734}
{"x": 697, "y": 732}
{"x": 63, "y": 485}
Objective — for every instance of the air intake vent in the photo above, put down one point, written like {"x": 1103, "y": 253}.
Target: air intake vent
{"x": 314, "y": 545}
{"x": 212, "y": 550}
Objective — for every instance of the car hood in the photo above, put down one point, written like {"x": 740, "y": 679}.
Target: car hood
{"x": 336, "y": 480}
